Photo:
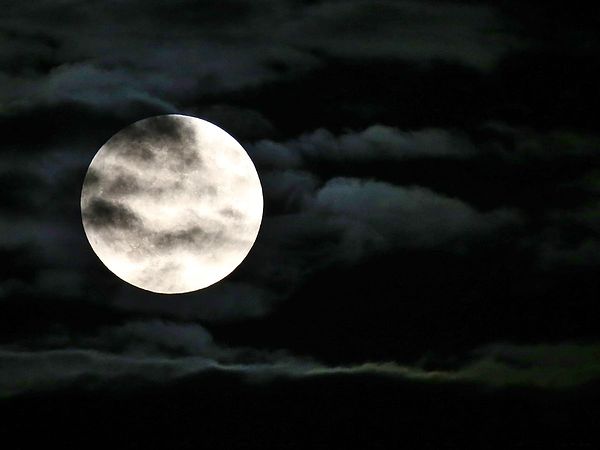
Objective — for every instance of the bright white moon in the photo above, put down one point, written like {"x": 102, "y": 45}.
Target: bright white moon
{"x": 171, "y": 204}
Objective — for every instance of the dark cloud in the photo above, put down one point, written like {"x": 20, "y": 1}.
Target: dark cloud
{"x": 121, "y": 185}
{"x": 557, "y": 254}
{"x": 413, "y": 216}
{"x": 345, "y": 222}
{"x": 349, "y": 220}
{"x": 194, "y": 237}
{"x": 27, "y": 53}
{"x": 155, "y": 337}
{"x": 353, "y": 218}
{"x": 569, "y": 239}
{"x": 376, "y": 143}
{"x": 108, "y": 67}
{"x": 159, "y": 351}
{"x": 232, "y": 213}
{"x": 551, "y": 366}
{"x": 100, "y": 213}
{"x": 288, "y": 191}
{"x": 528, "y": 145}
{"x": 142, "y": 141}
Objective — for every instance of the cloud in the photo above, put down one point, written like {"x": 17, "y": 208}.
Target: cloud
{"x": 522, "y": 144}
{"x": 114, "y": 90}
{"x": 418, "y": 31}
{"x": 288, "y": 190}
{"x": 148, "y": 139}
{"x": 403, "y": 216}
{"x": 543, "y": 365}
{"x": 100, "y": 213}
{"x": 113, "y": 57}
{"x": 547, "y": 366}
{"x": 34, "y": 371}
{"x": 380, "y": 143}
{"x": 155, "y": 337}
{"x": 375, "y": 143}
{"x": 194, "y": 238}
{"x": 569, "y": 238}
{"x": 121, "y": 185}
{"x": 162, "y": 352}
{"x": 556, "y": 254}
{"x": 348, "y": 219}
{"x": 154, "y": 351}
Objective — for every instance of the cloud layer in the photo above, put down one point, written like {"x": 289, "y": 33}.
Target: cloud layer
{"x": 430, "y": 179}
{"x": 159, "y": 352}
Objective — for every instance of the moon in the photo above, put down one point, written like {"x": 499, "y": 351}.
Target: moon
{"x": 171, "y": 204}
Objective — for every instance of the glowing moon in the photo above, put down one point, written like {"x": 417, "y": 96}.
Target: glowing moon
{"x": 171, "y": 204}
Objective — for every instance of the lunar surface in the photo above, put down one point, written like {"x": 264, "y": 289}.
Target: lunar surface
{"x": 171, "y": 204}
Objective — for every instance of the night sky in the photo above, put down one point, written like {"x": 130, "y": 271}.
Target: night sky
{"x": 426, "y": 272}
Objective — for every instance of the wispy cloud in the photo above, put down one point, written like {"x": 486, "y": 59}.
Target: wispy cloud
{"x": 156, "y": 351}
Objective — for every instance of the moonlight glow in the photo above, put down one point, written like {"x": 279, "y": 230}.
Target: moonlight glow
{"x": 171, "y": 204}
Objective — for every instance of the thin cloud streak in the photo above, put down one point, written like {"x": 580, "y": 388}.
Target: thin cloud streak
{"x": 560, "y": 366}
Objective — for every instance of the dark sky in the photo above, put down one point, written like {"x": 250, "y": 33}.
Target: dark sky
{"x": 426, "y": 273}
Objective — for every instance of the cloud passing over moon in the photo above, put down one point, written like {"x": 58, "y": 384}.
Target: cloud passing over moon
{"x": 171, "y": 204}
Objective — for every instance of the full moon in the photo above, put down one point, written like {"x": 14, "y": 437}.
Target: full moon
{"x": 171, "y": 204}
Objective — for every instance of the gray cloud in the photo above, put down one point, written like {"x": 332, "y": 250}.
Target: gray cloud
{"x": 379, "y": 143}
{"x": 100, "y": 213}
{"x": 155, "y": 337}
{"x": 121, "y": 185}
{"x": 347, "y": 220}
{"x": 544, "y": 365}
{"x": 194, "y": 237}
{"x": 547, "y": 366}
{"x": 231, "y": 213}
{"x": 558, "y": 248}
{"x": 115, "y": 89}
{"x": 558, "y": 254}
{"x": 418, "y": 31}
{"x": 289, "y": 190}
{"x": 376, "y": 143}
{"x": 160, "y": 352}
{"x": 151, "y": 350}
{"x": 403, "y": 216}
{"x": 94, "y": 58}
{"x": 520, "y": 144}
{"x": 147, "y": 139}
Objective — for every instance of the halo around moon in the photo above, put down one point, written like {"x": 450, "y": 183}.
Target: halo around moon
{"x": 171, "y": 204}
